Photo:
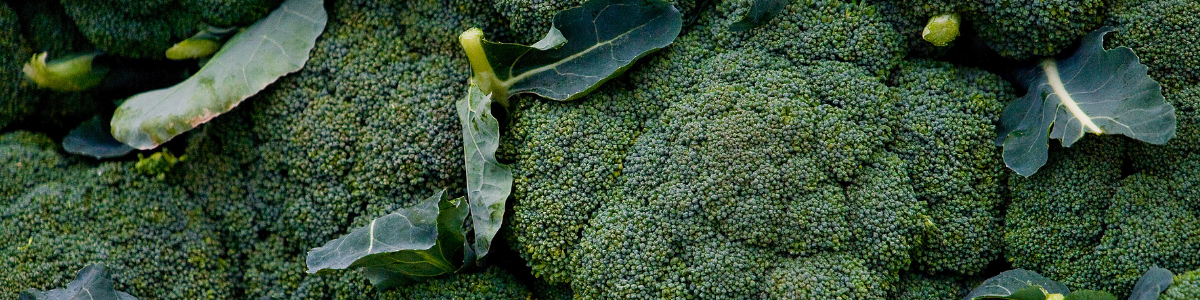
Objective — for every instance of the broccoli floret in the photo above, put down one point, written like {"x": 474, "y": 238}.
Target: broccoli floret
{"x": 15, "y": 103}
{"x": 947, "y": 134}
{"x": 827, "y": 276}
{"x": 809, "y": 32}
{"x": 145, "y": 29}
{"x": 1161, "y": 32}
{"x": 1057, "y": 216}
{"x": 1021, "y": 29}
{"x": 918, "y": 286}
{"x": 494, "y": 283}
{"x": 1185, "y": 286}
{"x": 148, "y": 231}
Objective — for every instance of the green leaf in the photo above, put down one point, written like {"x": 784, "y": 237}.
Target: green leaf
{"x": 251, "y": 60}
{"x": 1094, "y": 90}
{"x": 92, "y": 283}
{"x": 1017, "y": 284}
{"x": 760, "y": 12}
{"x": 488, "y": 181}
{"x": 1152, "y": 283}
{"x": 92, "y": 138}
{"x": 602, "y": 39}
{"x": 409, "y": 245}
{"x": 1090, "y": 295}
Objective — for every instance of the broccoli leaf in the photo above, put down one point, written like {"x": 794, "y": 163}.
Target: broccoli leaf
{"x": 1017, "y": 284}
{"x": 488, "y": 181}
{"x": 586, "y": 46}
{"x": 760, "y": 12}
{"x": 1152, "y": 283}
{"x": 406, "y": 246}
{"x": 91, "y": 283}
{"x": 1090, "y": 295}
{"x": 91, "y": 138}
{"x": 1094, "y": 90}
{"x": 251, "y": 60}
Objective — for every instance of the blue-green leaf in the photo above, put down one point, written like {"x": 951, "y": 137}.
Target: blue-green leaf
{"x": 1095, "y": 90}
{"x": 247, "y": 63}
{"x": 586, "y": 46}
{"x": 488, "y": 181}
{"x": 1017, "y": 284}
{"x": 1152, "y": 283}
{"x": 92, "y": 283}
{"x": 92, "y": 138}
{"x": 406, "y": 246}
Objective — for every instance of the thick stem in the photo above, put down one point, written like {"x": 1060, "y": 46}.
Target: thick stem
{"x": 1051, "y": 69}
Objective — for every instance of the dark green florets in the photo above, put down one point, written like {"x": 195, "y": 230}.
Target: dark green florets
{"x": 145, "y": 29}
{"x": 1162, "y": 33}
{"x": 916, "y": 286}
{"x": 1021, "y": 29}
{"x": 947, "y": 134}
{"x": 809, "y": 32}
{"x": 1186, "y": 286}
{"x": 15, "y": 103}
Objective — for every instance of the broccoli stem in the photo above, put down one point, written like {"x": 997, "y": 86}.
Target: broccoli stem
{"x": 941, "y": 29}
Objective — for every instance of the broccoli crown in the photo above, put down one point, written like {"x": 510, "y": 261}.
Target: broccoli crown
{"x": 1162, "y": 34}
{"x": 1022, "y": 29}
{"x": 148, "y": 231}
{"x": 145, "y": 29}
{"x": 946, "y": 132}
{"x": 1108, "y": 209}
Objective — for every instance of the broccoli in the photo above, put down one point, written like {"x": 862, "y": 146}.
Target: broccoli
{"x": 15, "y": 103}
{"x": 145, "y": 29}
{"x": 946, "y": 133}
{"x": 749, "y": 164}
{"x": 1116, "y": 207}
{"x": 1160, "y": 32}
{"x": 713, "y": 183}
{"x": 917, "y": 286}
{"x": 147, "y": 231}
{"x": 1185, "y": 286}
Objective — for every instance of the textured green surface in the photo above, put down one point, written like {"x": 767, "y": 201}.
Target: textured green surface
{"x": 251, "y": 60}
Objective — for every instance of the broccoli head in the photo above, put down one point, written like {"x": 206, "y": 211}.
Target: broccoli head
{"x": 946, "y": 133}
{"x": 145, "y": 29}
{"x": 1161, "y": 33}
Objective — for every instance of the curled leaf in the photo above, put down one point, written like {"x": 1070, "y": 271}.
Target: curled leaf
{"x": 409, "y": 245}
{"x": 488, "y": 181}
{"x": 1017, "y": 284}
{"x": 249, "y": 61}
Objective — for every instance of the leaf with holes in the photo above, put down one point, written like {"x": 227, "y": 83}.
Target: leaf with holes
{"x": 586, "y": 46}
{"x": 92, "y": 283}
{"x": 488, "y": 181}
{"x": 406, "y": 246}
{"x": 1095, "y": 90}
{"x": 246, "y": 64}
